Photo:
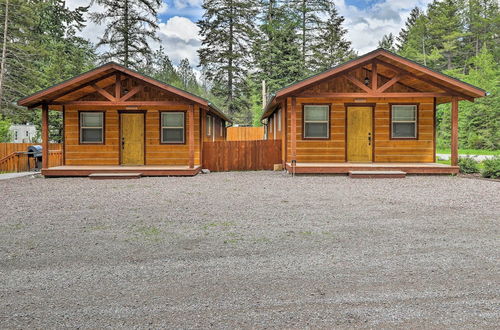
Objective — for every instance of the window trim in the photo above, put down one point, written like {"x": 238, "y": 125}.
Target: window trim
{"x": 209, "y": 126}
{"x": 328, "y": 135}
{"x": 417, "y": 107}
{"x": 278, "y": 116}
{"x": 161, "y": 126}
{"x": 103, "y": 128}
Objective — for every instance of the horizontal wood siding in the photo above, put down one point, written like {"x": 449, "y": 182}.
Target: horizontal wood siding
{"x": 109, "y": 153}
{"x": 385, "y": 149}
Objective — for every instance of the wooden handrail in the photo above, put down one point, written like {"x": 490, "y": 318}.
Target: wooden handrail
{"x": 9, "y": 156}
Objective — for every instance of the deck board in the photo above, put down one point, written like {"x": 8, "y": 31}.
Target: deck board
{"x": 145, "y": 170}
{"x": 344, "y": 168}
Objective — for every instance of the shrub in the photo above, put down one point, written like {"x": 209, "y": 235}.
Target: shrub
{"x": 491, "y": 168}
{"x": 468, "y": 165}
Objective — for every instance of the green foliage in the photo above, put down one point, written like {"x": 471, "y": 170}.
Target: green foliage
{"x": 468, "y": 165}
{"x": 491, "y": 168}
{"x": 5, "y": 134}
{"x": 388, "y": 42}
{"x": 130, "y": 25}
{"x": 227, "y": 29}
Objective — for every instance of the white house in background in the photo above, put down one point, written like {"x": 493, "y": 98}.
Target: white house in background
{"x": 23, "y": 133}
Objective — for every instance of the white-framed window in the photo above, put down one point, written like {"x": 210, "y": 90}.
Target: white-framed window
{"x": 279, "y": 120}
{"x": 274, "y": 126}
{"x": 15, "y": 135}
{"x": 404, "y": 121}
{"x": 266, "y": 131}
{"x": 316, "y": 121}
{"x": 209, "y": 125}
{"x": 222, "y": 127}
{"x": 173, "y": 127}
{"x": 92, "y": 127}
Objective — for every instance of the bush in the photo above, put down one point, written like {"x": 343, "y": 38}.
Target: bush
{"x": 491, "y": 168}
{"x": 468, "y": 165}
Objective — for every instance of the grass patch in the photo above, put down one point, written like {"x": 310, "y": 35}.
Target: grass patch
{"x": 470, "y": 152}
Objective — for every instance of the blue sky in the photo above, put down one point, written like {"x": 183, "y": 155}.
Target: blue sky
{"x": 366, "y": 20}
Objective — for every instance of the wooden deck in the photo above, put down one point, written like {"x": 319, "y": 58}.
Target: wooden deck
{"x": 344, "y": 168}
{"x": 146, "y": 170}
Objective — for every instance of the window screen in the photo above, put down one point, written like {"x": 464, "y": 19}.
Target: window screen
{"x": 404, "y": 121}
{"x": 316, "y": 121}
{"x": 172, "y": 127}
{"x": 91, "y": 127}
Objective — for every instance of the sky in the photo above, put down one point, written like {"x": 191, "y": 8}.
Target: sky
{"x": 366, "y": 20}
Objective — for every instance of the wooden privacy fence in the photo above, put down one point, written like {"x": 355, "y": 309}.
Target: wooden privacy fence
{"x": 223, "y": 156}
{"x": 245, "y": 133}
{"x": 18, "y": 161}
{"x": 8, "y": 148}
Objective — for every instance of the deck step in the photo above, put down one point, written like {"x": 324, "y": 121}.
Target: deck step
{"x": 377, "y": 174}
{"x": 106, "y": 176}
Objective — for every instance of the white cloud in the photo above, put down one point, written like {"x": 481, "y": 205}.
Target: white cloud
{"x": 368, "y": 25}
{"x": 180, "y": 4}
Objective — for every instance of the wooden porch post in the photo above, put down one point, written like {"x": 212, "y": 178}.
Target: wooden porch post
{"x": 454, "y": 131}
{"x": 191, "y": 135}
{"x": 45, "y": 136}
{"x": 293, "y": 129}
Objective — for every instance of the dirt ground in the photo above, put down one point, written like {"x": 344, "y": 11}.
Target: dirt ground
{"x": 251, "y": 250}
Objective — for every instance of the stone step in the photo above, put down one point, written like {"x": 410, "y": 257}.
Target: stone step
{"x": 377, "y": 174}
{"x": 106, "y": 176}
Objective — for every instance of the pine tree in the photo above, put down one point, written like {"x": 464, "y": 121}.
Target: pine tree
{"x": 186, "y": 76}
{"x": 332, "y": 48}
{"x": 161, "y": 68}
{"x": 277, "y": 50}
{"x": 130, "y": 24}
{"x": 227, "y": 29}
{"x": 388, "y": 42}
{"x": 402, "y": 38}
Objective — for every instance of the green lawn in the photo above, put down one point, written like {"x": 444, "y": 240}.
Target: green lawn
{"x": 470, "y": 152}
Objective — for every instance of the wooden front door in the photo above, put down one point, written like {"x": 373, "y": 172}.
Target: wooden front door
{"x": 132, "y": 138}
{"x": 359, "y": 134}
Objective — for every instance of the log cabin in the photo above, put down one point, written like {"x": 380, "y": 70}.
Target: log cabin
{"x": 372, "y": 114}
{"x": 118, "y": 121}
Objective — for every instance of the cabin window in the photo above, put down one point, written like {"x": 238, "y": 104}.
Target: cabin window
{"x": 222, "y": 127}
{"x": 209, "y": 125}
{"x": 404, "y": 121}
{"x": 92, "y": 127}
{"x": 266, "y": 131}
{"x": 279, "y": 120}
{"x": 172, "y": 127}
{"x": 316, "y": 121}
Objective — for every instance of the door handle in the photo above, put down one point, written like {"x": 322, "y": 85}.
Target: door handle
{"x": 123, "y": 143}
{"x": 369, "y": 139}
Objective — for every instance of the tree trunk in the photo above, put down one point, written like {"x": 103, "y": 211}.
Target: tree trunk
{"x": 4, "y": 52}
{"x": 230, "y": 60}
{"x": 125, "y": 35}
{"x": 304, "y": 33}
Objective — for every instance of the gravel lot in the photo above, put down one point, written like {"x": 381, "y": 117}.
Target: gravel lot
{"x": 249, "y": 249}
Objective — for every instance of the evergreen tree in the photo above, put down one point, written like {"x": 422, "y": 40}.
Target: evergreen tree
{"x": 130, "y": 24}
{"x": 161, "y": 68}
{"x": 388, "y": 42}
{"x": 402, "y": 38}
{"x": 227, "y": 29}
{"x": 186, "y": 76}
{"x": 332, "y": 48}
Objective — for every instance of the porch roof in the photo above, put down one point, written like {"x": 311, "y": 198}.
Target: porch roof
{"x": 104, "y": 76}
{"x": 414, "y": 75}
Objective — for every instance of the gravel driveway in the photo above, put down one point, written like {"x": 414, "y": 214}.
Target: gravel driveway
{"x": 249, "y": 249}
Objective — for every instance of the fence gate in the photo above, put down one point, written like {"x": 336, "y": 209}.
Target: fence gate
{"x": 223, "y": 156}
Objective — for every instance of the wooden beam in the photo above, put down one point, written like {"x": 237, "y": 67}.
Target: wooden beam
{"x": 131, "y": 93}
{"x": 426, "y": 80}
{"x": 118, "y": 86}
{"x": 378, "y": 95}
{"x": 191, "y": 136}
{"x": 454, "y": 131}
{"x": 104, "y": 93}
{"x": 391, "y": 82}
{"x": 45, "y": 136}
{"x": 293, "y": 129}
{"x": 374, "y": 76}
{"x": 358, "y": 83}
{"x": 122, "y": 104}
